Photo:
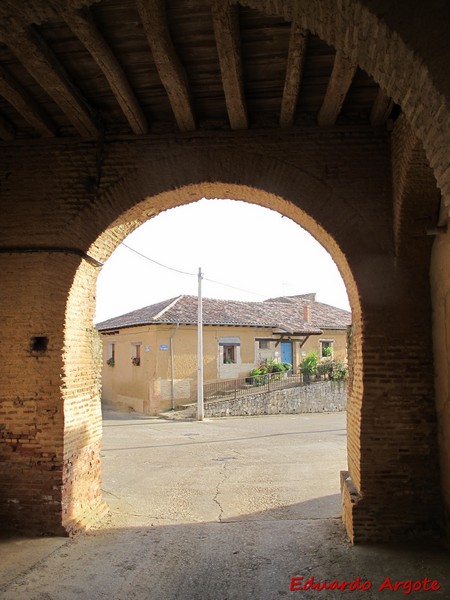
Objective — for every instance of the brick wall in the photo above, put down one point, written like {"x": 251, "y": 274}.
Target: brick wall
{"x": 31, "y": 415}
{"x": 335, "y": 183}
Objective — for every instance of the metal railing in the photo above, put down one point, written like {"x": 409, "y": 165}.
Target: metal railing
{"x": 233, "y": 388}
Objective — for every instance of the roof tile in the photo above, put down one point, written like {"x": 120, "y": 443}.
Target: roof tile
{"x": 286, "y": 313}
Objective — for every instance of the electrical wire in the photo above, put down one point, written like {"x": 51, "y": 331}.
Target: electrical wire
{"x": 156, "y": 262}
{"x": 192, "y": 274}
{"x": 235, "y": 288}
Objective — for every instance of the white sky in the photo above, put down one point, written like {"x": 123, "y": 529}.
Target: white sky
{"x": 236, "y": 243}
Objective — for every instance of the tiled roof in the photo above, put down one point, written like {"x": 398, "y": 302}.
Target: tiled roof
{"x": 140, "y": 316}
{"x": 323, "y": 315}
{"x": 286, "y": 313}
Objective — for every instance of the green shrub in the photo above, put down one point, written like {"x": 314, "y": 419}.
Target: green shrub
{"x": 257, "y": 371}
{"x": 268, "y": 366}
{"x": 334, "y": 370}
{"x": 339, "y": 371}
{"x": 309, "y": 363}
{"x": 259, "y": 375}
{"x": 325, "y": 369}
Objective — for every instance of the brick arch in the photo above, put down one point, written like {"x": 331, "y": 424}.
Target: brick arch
{"x": 394, "y": 470}
{"x": 395, "y": 65}
{"x": 158, "y": 185}
{"x": 136, "y": 198}
{"x": 388, "y": 59}
{"x": 151, "y": 188}
{"x": 360, "y": 240}
{"x": 174, "y": 178}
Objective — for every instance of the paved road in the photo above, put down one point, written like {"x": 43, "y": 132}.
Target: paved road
{"x": 227, "y": 509}
{"x": 224, "y": 470}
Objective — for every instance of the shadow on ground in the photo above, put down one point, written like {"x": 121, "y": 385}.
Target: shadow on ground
{"x": 252, "y": 557}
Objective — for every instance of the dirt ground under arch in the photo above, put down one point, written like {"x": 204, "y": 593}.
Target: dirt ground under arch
{"x": 224, "y": 509}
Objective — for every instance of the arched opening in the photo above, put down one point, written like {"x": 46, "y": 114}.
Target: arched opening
{"x": 341, "y": 181}
{"x": 130, "y": 390}
{"x": 84, "y": 284}
{"x": 389, "y": 57}
{"x": 247, "y": 253}
{"x": 257, "y": 268}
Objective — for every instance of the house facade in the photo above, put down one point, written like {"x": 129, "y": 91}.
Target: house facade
{"x": 150, "y": 355}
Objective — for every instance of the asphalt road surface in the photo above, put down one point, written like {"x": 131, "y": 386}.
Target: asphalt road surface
{"x": 226, "y": 509}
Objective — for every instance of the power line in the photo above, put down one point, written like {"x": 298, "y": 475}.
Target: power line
{"x": 234, "y": 287}
{"x": 191, "y": 274}
{"x": 156, "y": 262}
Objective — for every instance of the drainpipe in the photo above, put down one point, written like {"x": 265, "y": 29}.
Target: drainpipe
{"x": 172, "y": 385}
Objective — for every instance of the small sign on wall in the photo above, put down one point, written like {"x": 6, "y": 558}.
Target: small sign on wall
{"x": 163, "y": 347}
{"x": 147, "y": 348}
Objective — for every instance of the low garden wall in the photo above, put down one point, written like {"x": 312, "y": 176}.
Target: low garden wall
{"x": 321, "y": 396}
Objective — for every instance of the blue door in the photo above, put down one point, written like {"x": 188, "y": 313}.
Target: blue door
{"x": 286, "y": 352}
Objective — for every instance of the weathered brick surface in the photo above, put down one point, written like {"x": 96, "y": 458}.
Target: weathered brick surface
{"x": 31, "y": 415}
{"x": 336, "y": 183}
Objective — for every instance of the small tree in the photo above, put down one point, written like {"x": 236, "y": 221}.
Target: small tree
{"x": 308, "y": 366}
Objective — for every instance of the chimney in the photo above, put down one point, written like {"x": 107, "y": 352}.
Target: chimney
{"x": 307, "y": 313}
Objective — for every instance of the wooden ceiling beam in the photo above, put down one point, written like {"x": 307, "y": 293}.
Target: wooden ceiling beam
{"x": 340, "y": 81}
{"x": 30, "y": 110}
{"x": 381, "y": 108}
{"x": 171, "y": 71}
{"x": 7, "y": 132}
{"x": 225, "y": 16}
{"x": 296, "y": 56}
{"x": 83, "y": 26}
{"x": 44, "y": 67}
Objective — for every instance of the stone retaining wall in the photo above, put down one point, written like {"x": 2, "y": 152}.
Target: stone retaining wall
{"x": 322, "y": 396}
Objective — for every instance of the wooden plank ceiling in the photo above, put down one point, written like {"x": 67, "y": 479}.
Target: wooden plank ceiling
{"x": 68, "y": 69}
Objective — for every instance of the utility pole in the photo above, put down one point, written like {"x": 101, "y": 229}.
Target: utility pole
{"x": 200, "y": 350}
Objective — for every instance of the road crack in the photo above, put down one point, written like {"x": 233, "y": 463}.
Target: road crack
{"x": 218, "y": 486}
